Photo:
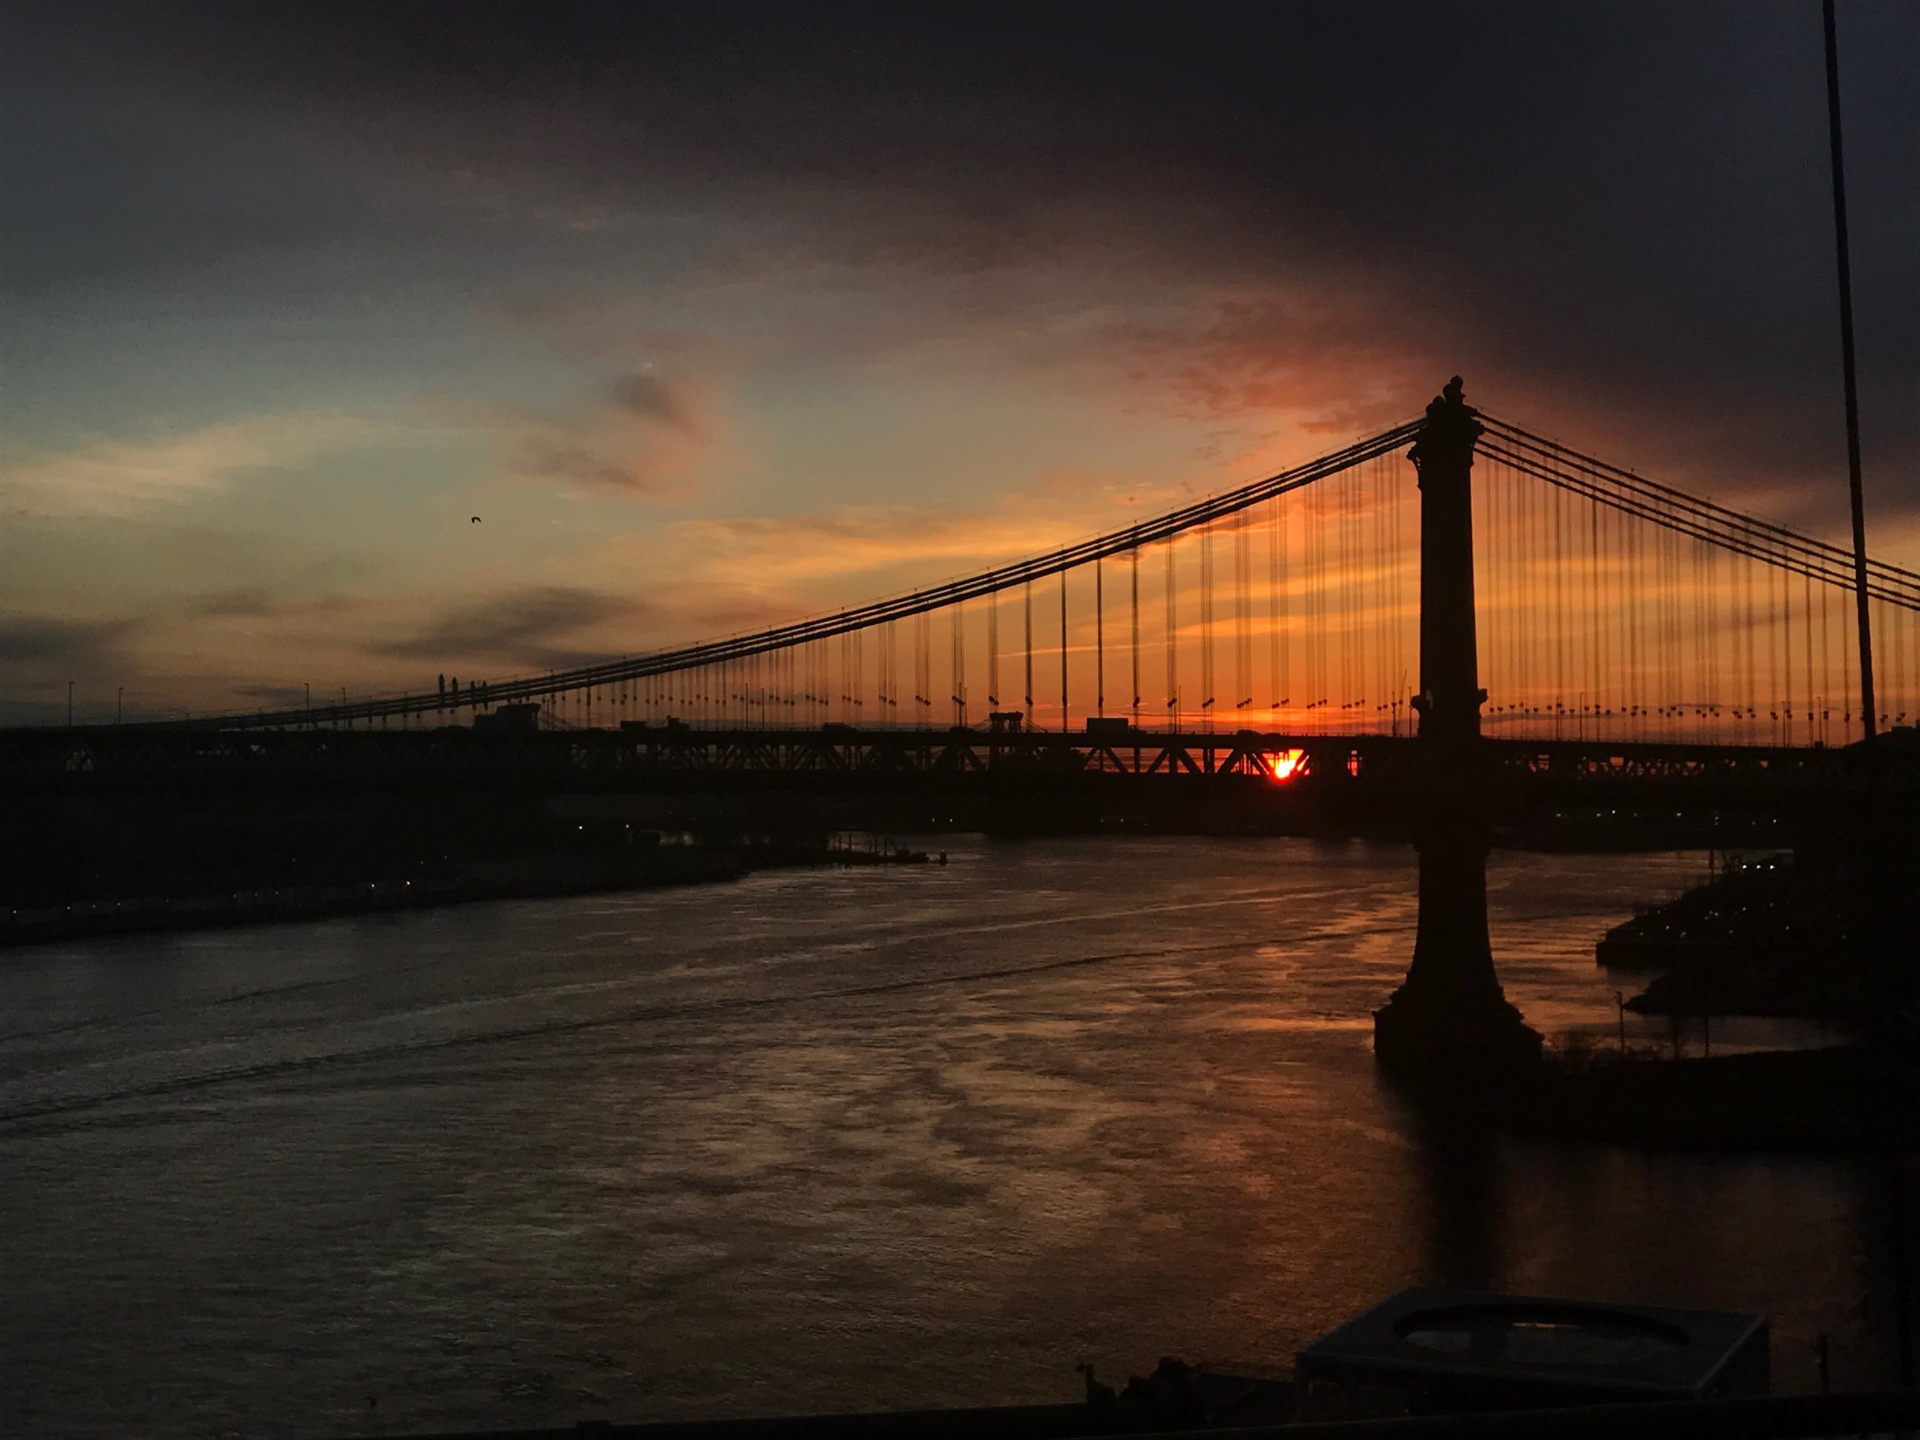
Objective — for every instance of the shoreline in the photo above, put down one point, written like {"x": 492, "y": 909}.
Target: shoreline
{"x": 526, "y": 878}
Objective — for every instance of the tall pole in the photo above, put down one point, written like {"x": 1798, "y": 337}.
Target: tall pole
{"x": 1852, "y": 385}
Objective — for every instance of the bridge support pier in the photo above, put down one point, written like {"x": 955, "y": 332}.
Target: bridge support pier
{"x": 1450, "y": 1022}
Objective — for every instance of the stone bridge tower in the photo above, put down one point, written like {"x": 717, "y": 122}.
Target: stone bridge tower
{"x": 1450, "y": 1020}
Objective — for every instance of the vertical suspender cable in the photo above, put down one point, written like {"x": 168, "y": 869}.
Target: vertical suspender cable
{"x": 1560, "y": 616}
{"x": 1173, "y": 645}
{"x": 1537, "y": 633}
{"x": 1826, "y": 667}
{"x": 1349, "y": 599}
{"x": 1206, "y": 624}
{"x": 1376, "y": 632}
{"x": 1711, "y": 553}
{"x": 1596, "y": 678}
{"x": 1774, "y": 615}
{"x": 1350, "y": 670}
{"x": 1629, "y": 583}
{"x": 1746, "y": 644}
{"x": 993, "y": 650}
{"x": 1099, "y": 641}
{"x": 1283, "y": 690}
{"x": 1486, "y": 580}
{"x": 1242, "y": 619}
{"x": 1663, "y": 637}
{"x": 1806, "y": 630}
{"x": 1383, "y": 680}
{"x": 1402, "y": 547}
{"x": 1507, "y": 562}
{"x": 1898, "y": 704}
{"x": 1490, "y": 583}
{"x": 1846, "y": 687}
{"x": 958, "y": 612}
{"x": 1273, "y": 613}
{"x": 1539, "y": 657}
{"x": 1133, "y": 577}
{"x": 1063, "y": 651}
{"x": 1028, "y": 589}
{"x": 1316, "y": 599}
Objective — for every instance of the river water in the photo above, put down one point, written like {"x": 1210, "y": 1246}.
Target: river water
{"x": 821, "y": 1140}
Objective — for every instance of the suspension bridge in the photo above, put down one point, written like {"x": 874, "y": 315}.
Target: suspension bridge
{"x": 1326, "y": 631}
{"x": 1609, "y": 608}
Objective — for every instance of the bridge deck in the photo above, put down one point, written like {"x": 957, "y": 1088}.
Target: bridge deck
{"x": 843, "y": 757}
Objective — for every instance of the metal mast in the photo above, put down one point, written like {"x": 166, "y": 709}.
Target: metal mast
{"x": 1852, "y": 386}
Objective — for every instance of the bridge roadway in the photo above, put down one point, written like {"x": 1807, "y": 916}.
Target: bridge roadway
{"x": 1169, "y": 772}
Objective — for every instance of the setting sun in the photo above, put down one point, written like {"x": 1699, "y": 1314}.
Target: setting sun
{"x": 1285, "y": 764}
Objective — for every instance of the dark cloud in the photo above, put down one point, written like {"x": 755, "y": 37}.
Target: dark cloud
{"x": 241, "y": 604}
{"x": 42, "y": 646}
{"x": 1617, "y": 211}
{"x": 273, "y": 697}
{"x": 640, "y": 431}
{"x": 538, "y": 458}
{"x": 525, "y": 629}
{"x": 651, "y": 398}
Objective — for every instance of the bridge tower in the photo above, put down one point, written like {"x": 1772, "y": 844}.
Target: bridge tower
{"x": 1450, "y": 1020}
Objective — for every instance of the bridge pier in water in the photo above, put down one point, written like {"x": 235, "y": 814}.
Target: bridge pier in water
{"x": 1450, "y": 1019}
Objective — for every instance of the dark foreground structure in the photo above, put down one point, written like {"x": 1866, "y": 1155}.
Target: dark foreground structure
{"x": 1776, "y": 1417}
{"x": 1426, "y": 1351}
{"x": 1424, "y": 1364}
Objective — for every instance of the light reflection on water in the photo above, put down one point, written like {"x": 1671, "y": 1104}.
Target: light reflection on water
{"x": 821, "y": 1140}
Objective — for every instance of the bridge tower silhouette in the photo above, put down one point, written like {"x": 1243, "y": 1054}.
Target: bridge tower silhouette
{"x": 1450, "y": 1017}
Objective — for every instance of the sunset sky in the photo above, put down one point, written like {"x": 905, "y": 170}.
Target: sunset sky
{"x": 717, "y": 315}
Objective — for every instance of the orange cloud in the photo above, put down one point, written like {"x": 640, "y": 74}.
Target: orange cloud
{"x": 106, "y": 478}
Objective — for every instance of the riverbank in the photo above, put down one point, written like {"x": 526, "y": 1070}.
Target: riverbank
{"x": 518, "y": 878}
{"x": 1851, "y": 1098}
{"x": 1777, "y": 935}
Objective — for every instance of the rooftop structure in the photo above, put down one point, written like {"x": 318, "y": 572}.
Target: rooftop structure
{"x": 1428, "y": 1352}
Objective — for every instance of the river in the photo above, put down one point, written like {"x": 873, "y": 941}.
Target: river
{"x": 823, "y": 1140}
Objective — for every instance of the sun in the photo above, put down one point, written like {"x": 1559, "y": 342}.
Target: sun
{"x": 1283, "y": 765}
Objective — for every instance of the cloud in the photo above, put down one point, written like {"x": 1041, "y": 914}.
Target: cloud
{"x": 637, "y": 433}
{"x": 538, "y": 457}
{"x": 771, "y": 569}
{"x": 1333, "y": 363}
{"x": 761, "y": 553}
{"x": 532, "y": 628}
{"x": 1261, "y": 222}
{"x": 648, "y": 397}
{"x": 272, "y": 697}
{"x": 242, "y": 603}
{"x": 41, "y": 646}
{"x": 114, "y": 478}
{"x": 1383, "y": 184}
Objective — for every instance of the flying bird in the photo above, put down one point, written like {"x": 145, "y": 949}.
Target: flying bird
{"x": 476, "y": 520}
